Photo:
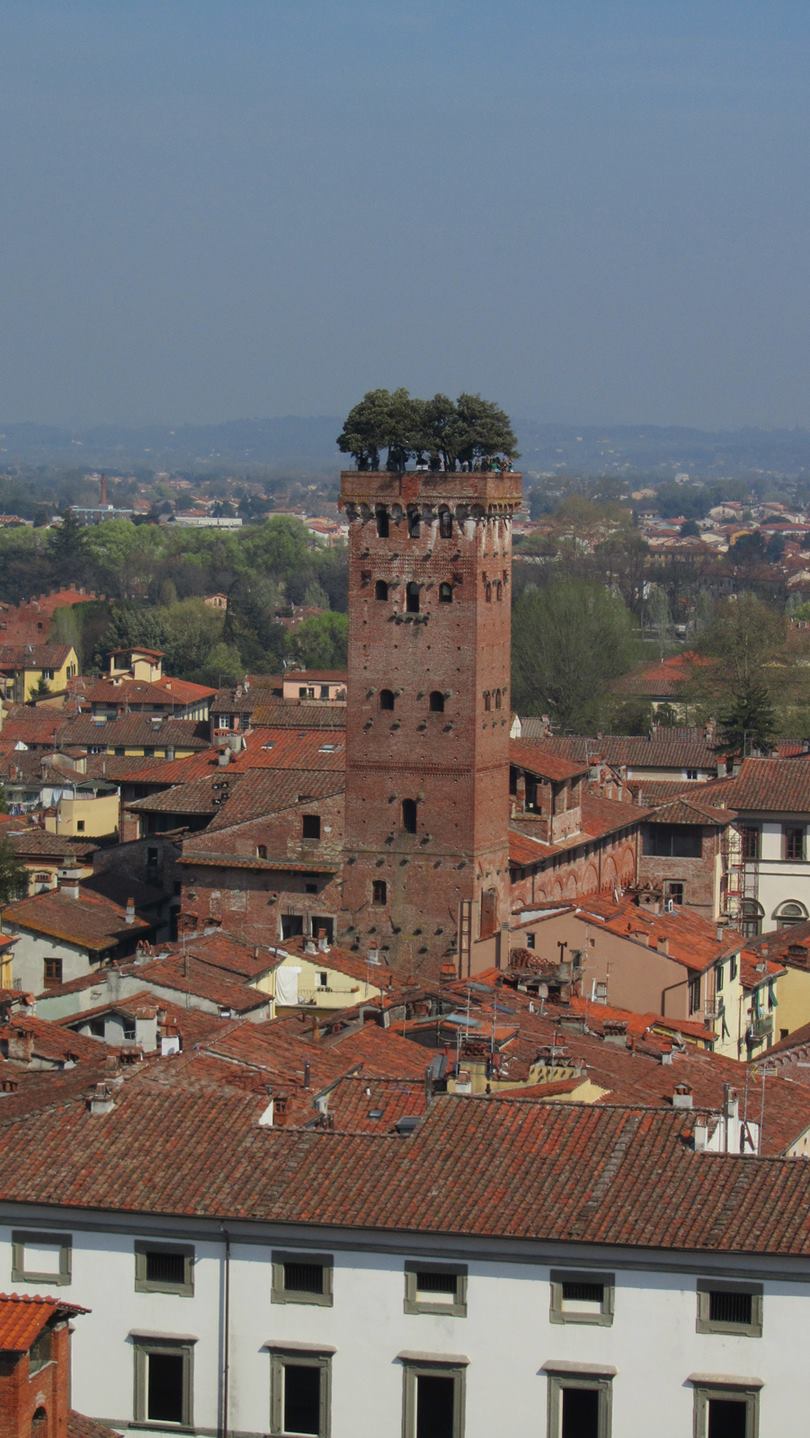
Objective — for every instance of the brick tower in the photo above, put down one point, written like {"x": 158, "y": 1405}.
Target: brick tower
{"x": 426, "y": 871}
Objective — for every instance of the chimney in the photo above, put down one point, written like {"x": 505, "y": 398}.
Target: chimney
{"x": 700, "y": 1135}
{"x": 129, "y": 913}
{"x": 731, "y": 1102}
{"x": 307, "y": 1073}
{"x": 69, "y": 883}
{"x": 682, "y": 1096}
{"x": 170, "y": 753}
{"x": 19, "y": 1044}
{"x": 663, "y": 944}
{"x": 316, "y": 1030}
{"x": 720, "y": 932}
{"x": 100, "y": 1099}
{"x": 280, "y": 1107}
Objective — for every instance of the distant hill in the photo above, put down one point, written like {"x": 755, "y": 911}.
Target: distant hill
{"x": 308, "y": 443}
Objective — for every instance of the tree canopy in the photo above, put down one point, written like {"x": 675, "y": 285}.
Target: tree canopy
{"x": 440, "y": 432}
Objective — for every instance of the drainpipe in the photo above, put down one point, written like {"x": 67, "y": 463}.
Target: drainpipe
{"x": 226, "y": 1337}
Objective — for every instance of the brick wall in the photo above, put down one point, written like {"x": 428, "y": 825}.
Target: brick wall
{"x": 428, "y": 711}
{"x": 45, "y": 1392}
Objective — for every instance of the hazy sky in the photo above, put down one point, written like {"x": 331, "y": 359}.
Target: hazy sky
{"x": 589, "y": 210}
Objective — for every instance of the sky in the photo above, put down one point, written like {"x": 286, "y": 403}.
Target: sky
{"x": 590, "y": 211}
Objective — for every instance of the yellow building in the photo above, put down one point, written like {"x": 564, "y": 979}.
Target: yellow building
{"x": 88, "y": 809}
{"x": 26, "y": 667}
{"x": 322, "y": 978}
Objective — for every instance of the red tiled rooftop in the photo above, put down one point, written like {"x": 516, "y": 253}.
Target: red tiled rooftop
{"x": 90, "y": 922}
{"x": 22, "y": 1319}
{"x": 530, "y": 754}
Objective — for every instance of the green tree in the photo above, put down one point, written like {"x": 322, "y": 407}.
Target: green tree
{"x": 569, "y": 640}
{"x": 12, "y": 874}
{"x": 321, "y": 641}
{"x": 190, "y": 631}
{"x": 41, "y": 689}
{"x": 67, "y": 551}
{"x": 222, "y": 666}
{"x": 748, "y": 724}
{"x": 482, "y": 430}
{"x": 690, "y": 529}
{"x": 746, "y": 634}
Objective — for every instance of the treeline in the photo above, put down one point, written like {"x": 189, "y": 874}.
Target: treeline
{"x": 156, "y": 578}
{"x": 440, "y": 433}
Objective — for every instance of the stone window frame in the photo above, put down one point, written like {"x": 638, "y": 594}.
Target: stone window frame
{"x": 429, "y": 1365}
{"x": 705, "y": 1324}
{"x": 145, "y": 1344}
{"x": 301, "y": 1355}
{"x": 558, "y": 1313}
{"x": 594, "y": 1378}
{"x": 20, "y": 1238}
{"x": 707, "y": 1386}
{"x": 279, "y": 1293}
{"x": 144, "y": 1246}
{"x": 456, "y": 1307}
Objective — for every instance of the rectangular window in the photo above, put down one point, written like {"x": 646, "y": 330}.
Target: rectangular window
{"x": 164, "y": 1380}
{"x": 694, "y": 995}
{"x": 164, "y": 1268}
{"x": 750, "y": 837}
{"x": 300, "y": 1391}
{"x": 733, "y": 967}
{"x": 41, "y": 1257}
{"x": 579, "y": 1402}
{"x": 311, "y": 826}
{"x": 379, "y": 891}
{"x": 302, "y": 1278}
{"x": 40, "y": 1353}
{"x": 793, "y": 843}
{"x": 581, "y": 1297}
{"x": 729, "y": 1307}
{"x": 672, "y": 841}
{"x": 726, "y": 1410}
{"x": 673, "y": 891}
{"x": 433, "y": 1398}
{"x": 53, "y": 972}
{"x": 291, "y": 925}
{"x": 718, "y": 976}
{"x": 436, "y": 1288}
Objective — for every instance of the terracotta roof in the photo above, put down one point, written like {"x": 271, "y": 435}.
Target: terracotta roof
{"x": 199, "y": 796}
{"x": 188, "y": 975}
{"x": 689, "y": 810}
{"x": 34, "y": 656}
{"x": 662, "y": 679}
{"x": 30, "y": 724}
{"x": 265, "y": 749}
{"x": 32, "y": 842}
{"x": 379, "y": 1051}
{"x": 22, "y": 1319}
{"x": 135, "y": 730}
{"x": 691, "y": 940}
{"x": 270, "y": 791}
{"x": 89, "y": 922}
{"x": 162, "y": 693}
{"x": 665, "y": 748}
{"x": 224, "y": 951}
{"x": 523, "y": 1170}
{"x": 359, "y": 1104}
{"x": 528, "y": 754}
{"x": 80, "y": 1426}
{"x": 288, "y": 714}
{"x": 343, "y": 961}
{"x": 606, "y": 816}
{"x": 50, "y": 1042}
{"x": 779, "y": 786}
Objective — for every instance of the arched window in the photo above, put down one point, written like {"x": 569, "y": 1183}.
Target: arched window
{"x": 445, "y": 524}
{"x": 382, "y": 523}
{"x": 487, "y": 700}
{"x": 39, "y": 1423}
{"x": 436, "y": 701}
{"x": 409, "y": 815}
{"x": 445, "y": 594}
{"x": 488, "y": 592}
{"x": 790, "y": 913}
{"x": 412, "y": 598}
{"x": 379, "y": 891}
{"x": 381, "y": 589}
{"x": 752, "y": 916}
{"x": 414, "y": 523}
{"x": 498, "y": 693}
{"x": 387, "y": 699}
{"x": 499, "y": 590}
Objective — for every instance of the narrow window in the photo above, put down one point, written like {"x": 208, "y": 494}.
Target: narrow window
{"x": 381, "y": 589}
{"x": 579, "y": 1406}
{"x": 382, "y": 523}
{"x": 53, "y": 973}
{"x": 40, "y": 1351}
{"x": 750, "y": 841}
{"x": 311, "y": 826}
{"x": 387, "y": 699}
{"x": 487, "y": 700}
{"x": 499, "y": 590}
{"x": 727, "y": 1410}
{"x": 488, "y": 592}
{"x": 793, "y": 840}
{"x": 498, "y": 693}
{"x": 300, "y": 1393}
{"x": 379, "y": 891}
{"x": 694, "y": 995}
{"x": 412, "y": 598}
{"x": 436, "y": 701}
{"x": 261, "y": 851}
{"x": 445, "y": 524}
{"x": 163, "y": 1382}
{"x": 414, "y": 523}
{"x": 445, "y": 594}
{"x": 409, "y": 815}
{"x": 434, "y": 1400}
